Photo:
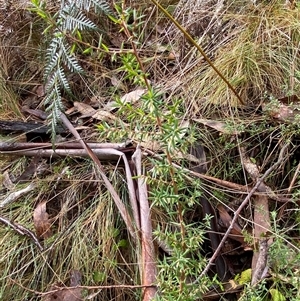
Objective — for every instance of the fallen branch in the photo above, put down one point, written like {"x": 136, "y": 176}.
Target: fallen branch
{"x": 238, "y": 211}
{"x": 261, "y": 220}
{"x": 103, "y": 154}
{"x": 17, "y": 146}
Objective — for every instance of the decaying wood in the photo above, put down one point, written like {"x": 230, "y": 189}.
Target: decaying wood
{"x": 262, "y": 224}
{"x": 7, "y": 127}
{"x": 261, "y": 262}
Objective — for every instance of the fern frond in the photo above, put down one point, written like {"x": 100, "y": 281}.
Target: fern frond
{"x": 100, "y": 6}
{"x": 53, "y": 55}
{"x": 52, "y": 48}
{"x": 59, "y": 57}
{"x": 55, "y": 107}
{"x": 70, "y": 60}
{"x": 50, "y": 96}
{"x": 75, "y": 19}
{"x": 52, "y": 64}
{"x": 63, "y": 79}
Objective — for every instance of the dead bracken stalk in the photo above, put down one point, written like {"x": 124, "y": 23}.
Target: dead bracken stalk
{"x": 149, "y": 270}
{"x": 121, "y": 207}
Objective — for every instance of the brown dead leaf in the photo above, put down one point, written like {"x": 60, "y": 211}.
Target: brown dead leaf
{"x": 85, "y": 109}
{"x": 97, "y": 101}
{"x": 7, "y": 182}
{"x": 152, "y": 145}
{"x": 37, "y": 112}
{"x": 117, "y": 83}
{"x": 219, "y": 126}
{"x": 55, "y": 296}
{"x": 104, "y": 116}
{"x": 71, "y": 111}
{"x": 284, "y": 113}
{"x": 236, "y": 232}
{"x": 285, "y": 109}
{"x": 71, "y": 293}
{"x": 172, "y": 56}
{"x": 40, "y": 91}
{"x": 75, "y": 293}
{"x": 133, "y": 96}
{"x": 41, "y": 221}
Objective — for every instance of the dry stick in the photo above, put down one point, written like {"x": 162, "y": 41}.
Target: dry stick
{"x": 149, "y": 271}
{"x": 102, "y": 154}
{"x": 16, "y": 194}
{"x": 294, "y": 179}
{"x": 222, "y": 183}
{"x": 23, "y": 231}
{"x": 16, "y": 146}
{"x": 238, "y": 211}
{"x": 115, "y": 196}
{"x": 131, "y": 188}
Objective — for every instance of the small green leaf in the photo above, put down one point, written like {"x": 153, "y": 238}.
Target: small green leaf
{"x": 78, "y": 34}
{"x": 276, "y": 295}
{"x": 104, "y": 47}
{"x": 116, "y": 232}
{"x": 115, "y": 20}
{"x": 87, "y": 50}
{"x": 42, "y": 14}
{"x": 123, "y": 243}
{"x": 72, "y": 50}
{"x": 245, "y": 277}
{"x": 99, "y": 277}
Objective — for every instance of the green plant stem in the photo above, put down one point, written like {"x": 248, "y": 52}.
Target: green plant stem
{"x": 169, "y": 159}
{"x": 190, "y": 39}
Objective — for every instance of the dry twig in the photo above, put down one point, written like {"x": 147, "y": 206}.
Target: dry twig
{"x": 238, "y": 211}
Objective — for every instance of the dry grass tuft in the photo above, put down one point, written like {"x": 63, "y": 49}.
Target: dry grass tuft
{"x": 87, "y": 236}
{"x": 254, "y": 47}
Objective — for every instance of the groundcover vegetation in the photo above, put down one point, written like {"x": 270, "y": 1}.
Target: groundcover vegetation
{"x": 149, "y": 150}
